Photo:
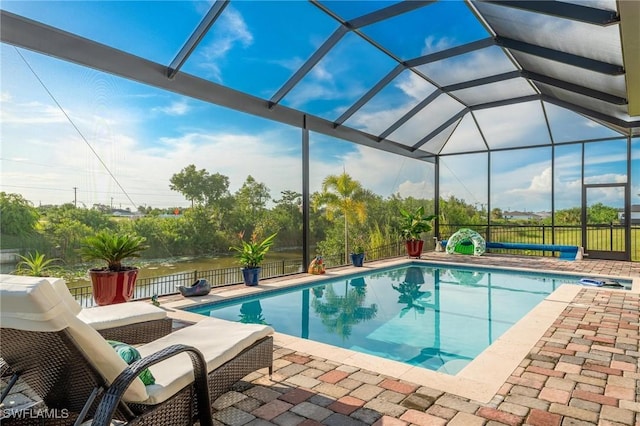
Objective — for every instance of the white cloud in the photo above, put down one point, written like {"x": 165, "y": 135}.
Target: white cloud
{"x": 378, "y": 171}
{"x": 387, "y": 107}
{"x": 533, "y": 193}
{"x": 291, "y": 64}
{"x": 376, "y": 122}
{"x": 541, "y": 183}
{"x": 512, "y": 126}
{"x": 414, "y": 86}
{"x": 418, "y": 190}
{"x": 55, "y": 157}
{"x": 310, "y": 90}
{"x": 176, "y": 108}
{"x": 44, "y": 157}
{"x": 320, "y": 73}
{"x": 606, "y": 178}
{"x": 145, "y": 172}
{"x": 467, "y": 67}
{"x": 29, "y": 113}
{"x": 427, "y": 120}
{"x": 230, "y": 30}
{"x": 433, "y": 44}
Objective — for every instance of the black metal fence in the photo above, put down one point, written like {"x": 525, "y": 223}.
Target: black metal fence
{"x": 167, "y": 284}
{"x": 378, "y": 253}
{"x": 608, "y": 237}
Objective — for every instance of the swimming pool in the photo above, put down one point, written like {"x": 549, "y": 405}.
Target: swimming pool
{"x": 432, "y": 316}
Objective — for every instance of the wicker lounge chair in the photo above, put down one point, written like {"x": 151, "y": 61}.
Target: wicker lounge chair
{"x": 131, "y": 322}
{"x": 74, "y": 370}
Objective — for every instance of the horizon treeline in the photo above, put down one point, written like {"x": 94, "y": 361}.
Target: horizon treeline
{"x": 343, "y": 213}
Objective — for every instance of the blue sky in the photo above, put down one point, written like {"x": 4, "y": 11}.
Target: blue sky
{"x": 117, "y": 141}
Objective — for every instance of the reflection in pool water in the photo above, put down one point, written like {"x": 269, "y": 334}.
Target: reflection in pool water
{"x": 341, "y": 309}
{"x": 433, "y": 317}
{"x": 251, "y": 313}
{"x": 411, "y": 293}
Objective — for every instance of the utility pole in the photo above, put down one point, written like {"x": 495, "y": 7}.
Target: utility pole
{"x": 75, "y": 196}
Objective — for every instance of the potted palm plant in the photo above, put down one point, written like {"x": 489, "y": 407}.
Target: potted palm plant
{"x": 357, "y": 251}
{"x": 250, "y": 254}
{"x": 411, "y": 228}
{"x": 115, "y": 282}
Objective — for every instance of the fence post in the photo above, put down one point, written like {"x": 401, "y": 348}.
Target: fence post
{"x": 611, "y": 236}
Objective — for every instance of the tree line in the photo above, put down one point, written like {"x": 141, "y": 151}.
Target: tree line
{"x": 343, "y": 214}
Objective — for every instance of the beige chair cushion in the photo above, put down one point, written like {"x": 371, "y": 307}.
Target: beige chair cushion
{"x": 31, "y": 303}
{"x": 218, "y": 340}
{"x": 104, "y": 357}
{"x": 104, "y": 317}
{"x": 120, "y": 314}
{"x": 60, "y": 286}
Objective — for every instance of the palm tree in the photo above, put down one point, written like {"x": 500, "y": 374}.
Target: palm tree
{"x": 343, "y": 196}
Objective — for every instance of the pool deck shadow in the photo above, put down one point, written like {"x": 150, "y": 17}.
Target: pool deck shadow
{"x": 573, "y": 360}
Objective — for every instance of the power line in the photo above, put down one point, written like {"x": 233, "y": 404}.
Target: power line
{"x": 75, "y": 169}
{"x": 148, "y": 194}
{"x": 75, "y": 127}
{"x": 473, "y": 197}
{"x": 50, "y": 166}
{"x": 72, "y": 168}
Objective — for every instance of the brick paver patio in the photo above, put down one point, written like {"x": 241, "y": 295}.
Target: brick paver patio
{"x": 584, "y": 371}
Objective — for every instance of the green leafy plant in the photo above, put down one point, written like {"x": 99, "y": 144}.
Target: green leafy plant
{"x": 113, "y": 248}
{"x": 251, "y": 253}
{"x": 414, "y": 224}
{"x": 359, "y": 244}
{"x": 36, "y": 265}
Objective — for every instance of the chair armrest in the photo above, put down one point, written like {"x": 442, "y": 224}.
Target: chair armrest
{"x": 114, "y": 393}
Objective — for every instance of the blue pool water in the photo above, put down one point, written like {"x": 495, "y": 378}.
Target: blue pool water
{"x": 426, "y": 316}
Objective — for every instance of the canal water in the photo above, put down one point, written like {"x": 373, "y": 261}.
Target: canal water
{"x": 162, "y": 267}
{"x": 150, "y": 268}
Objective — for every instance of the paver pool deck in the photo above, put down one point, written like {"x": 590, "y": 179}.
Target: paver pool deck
{"x": 581, "y": 368}
{"x": 574, "y": 360}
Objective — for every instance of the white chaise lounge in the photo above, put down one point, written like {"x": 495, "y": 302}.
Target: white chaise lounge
{"x": 72, "y": 367}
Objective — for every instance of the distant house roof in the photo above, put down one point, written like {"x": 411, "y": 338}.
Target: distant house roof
{"x": 124, "y": 213}
{"x": 635, "y": 208}
{"x": 520, "y": 215}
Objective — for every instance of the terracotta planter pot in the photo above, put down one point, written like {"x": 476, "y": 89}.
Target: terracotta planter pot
{"x": 414, "y": 247}
{"x": 111, "y": 287}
